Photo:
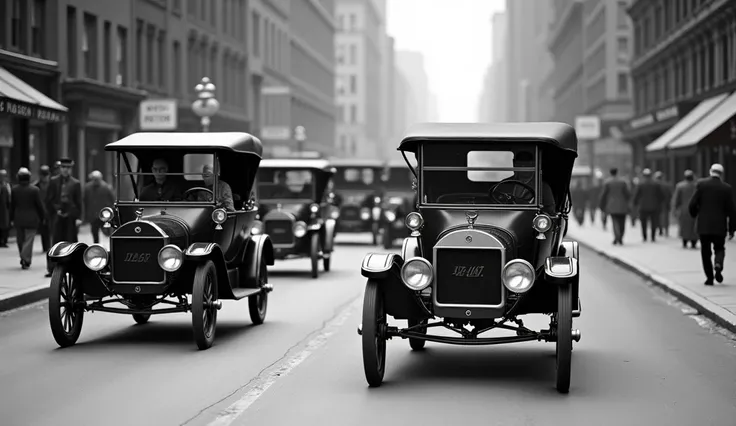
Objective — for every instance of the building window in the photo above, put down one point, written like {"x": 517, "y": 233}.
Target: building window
{"x": 213, "y": 12}
{"x": 623, "y": 50}
{"x": 121, "y": 57}
{"x": 161, "y": 62}
{"x": 622, "y": 20}
{"x": 341, "y": 22}
{"x": 353, "y": 113}
{"x": 139, "y": 52}
{"x": 150, "y": 57}
{"x": 89, "y": 45}
{"x": 213, "y": 64}
{"x": 176, "y": 7}
{"x": 17, "y": 27}
{"x": 107, "y": 49}
{"x": 192, "y": 8}
{"x": 353, "y": 54}
{"x": 256, "y": 34}
{"x": 203, "y": 10}
{"x": 353, "y": 84}
{"x": 177, "y": 67}
{"x": 37, "y": 26}
{"x": 71, "y": 40}
{"x": 225, "y": 17}
{"x": 345, "y": 113}
{"x": 353, "y": 22}
{"x": 340, "y": 54}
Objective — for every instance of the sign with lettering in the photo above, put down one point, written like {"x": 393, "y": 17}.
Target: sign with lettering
{"x": 279, "y": 133}
{"x": 158, "y": 114}
{"x": 663, "y": 114}
{"x": 588, "y": 127}
{"x": 34, "y": 112}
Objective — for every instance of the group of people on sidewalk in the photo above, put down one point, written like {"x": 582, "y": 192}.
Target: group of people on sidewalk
{"x": 54, "y": 206}
{"x": 705, "y": 211}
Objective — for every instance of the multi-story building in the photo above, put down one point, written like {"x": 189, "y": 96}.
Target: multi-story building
{"x": 684, "y": 76}
{"x": 390, "y": 131}
{"x": 359, "y": 47}
{"x": 405, "y": 104}
{"x": 590, "y": 43}
{"x": 527, "y": 59}
{"x": 493, "y": 106}
{"x": 411, "y": 65}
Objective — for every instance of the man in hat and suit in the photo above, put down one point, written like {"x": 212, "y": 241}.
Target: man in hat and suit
{"x": 614, "y": 201}
{"x": 27, "y": 213}
{"x": 713, "y": 207}
{"x": 683, "y": 193}
{"x": 64, "y": 204}
{"x": 43, "y": 185}
{"x": 648, "y": 198}
{"x": 5, "y": 195}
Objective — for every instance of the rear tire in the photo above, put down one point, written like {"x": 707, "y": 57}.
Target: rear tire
{"x": 564, "y": 337}
{"x": 374, "y": 334}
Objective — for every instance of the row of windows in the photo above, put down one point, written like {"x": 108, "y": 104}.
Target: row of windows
{"x": 233, "y": 15}
{"x": 114, "y": 42}
{"x": 26, "y": 22}
{"x": 690, "y": 71}
{"x": 352, "y": 54}
{"x": 347, "y": 84}
{"x": 349, "y": 113}
{"x": 347, "y": 22}
{"x": 661, "y": 18}
{"x": 204, "y": 60}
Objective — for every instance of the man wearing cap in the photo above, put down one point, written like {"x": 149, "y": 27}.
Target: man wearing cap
{"x": 64, "y": 204}
{"x": 713, "y": 207}
{"x": 5, "y": 196}
{"x": 684, "y": 191}
{"x": 648, "y": 199}
{"x": 27, "y": 214}
{"x": 97, "y": 195}
{"x": 43, "y": 185}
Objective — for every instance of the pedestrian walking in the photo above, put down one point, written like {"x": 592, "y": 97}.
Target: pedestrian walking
{"x": 97, "y": 195}
{"x": 713, "y": 207}
{"x": 614, "y": 201}
{"x": 27, "y": 214}
{"x": 64, "y": 203}
{"x": 578, "y": 194}
{"x": 684, "y": 191}
{"x": 664, "y": 216}
{"x": 5, "y": 197}
{"x": 45, "y": 228}
{"x": 633, "y": 213}
{"x": 593, "y": 196}
{"x": 648, "y": 201}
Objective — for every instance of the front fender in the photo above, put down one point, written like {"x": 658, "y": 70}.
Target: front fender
{"x": 380, "y": 265}
{"x": 201, "y": 252}
{"x": 259, "y": 248}
{"x": 560, "y": 269}
{"x": 329, "y": 233}
{"x": 65, "y": 250}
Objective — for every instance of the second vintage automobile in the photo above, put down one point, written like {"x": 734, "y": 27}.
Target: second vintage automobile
{"x": 293, "y": 199}
{"x": 398, "y": 201}
{"x": 486, "y": 244}
{"x": 179, "y": 229}
{"x": 358, "y": 192}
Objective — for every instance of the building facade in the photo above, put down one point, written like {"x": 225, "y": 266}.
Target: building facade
{"x": 360, "y": 44}
{"x": 411, "y": 65}
{"x": 492, "y": 105}
{"x": 684, "y": 76}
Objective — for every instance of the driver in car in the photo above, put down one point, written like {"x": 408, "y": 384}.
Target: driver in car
{"x": 224, "y": 192}
{"x": 162, "y": 188}
{"x": 526, "y": 159}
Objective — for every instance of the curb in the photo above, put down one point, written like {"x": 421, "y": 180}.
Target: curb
{"x": 24, "y": 297}
{"x": 712, "y": 311}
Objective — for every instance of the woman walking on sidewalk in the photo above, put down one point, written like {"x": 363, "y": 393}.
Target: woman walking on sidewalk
{"x": 683, "y": 193}
{"x": 26, "y": 213}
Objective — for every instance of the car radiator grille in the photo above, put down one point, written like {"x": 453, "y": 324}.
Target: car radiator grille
{"x": 469, "y": 276}
{"x": 136, "y": 259}
{"x": 280, "y": 231}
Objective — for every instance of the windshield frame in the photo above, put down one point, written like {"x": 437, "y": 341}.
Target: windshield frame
{"x": 135, "y": 181}
{"x": 537, "y": 170}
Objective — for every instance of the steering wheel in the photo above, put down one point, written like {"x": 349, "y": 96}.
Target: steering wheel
{"x": 509, "y": 197}
{"x": 197, "y": 188}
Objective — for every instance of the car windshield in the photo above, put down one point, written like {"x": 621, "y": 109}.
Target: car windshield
{"x": 357, "y": 178}
{"x": 165, "y": 177}
{"x": 500, "y": 174}
{"x": 286, "y": 184}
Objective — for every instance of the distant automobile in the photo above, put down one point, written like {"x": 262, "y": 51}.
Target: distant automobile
{"x": 359, "y": 193}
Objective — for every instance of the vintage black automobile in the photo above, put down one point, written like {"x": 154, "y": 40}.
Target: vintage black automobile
{"x": 486, "y": 244}
{"x": 170, "y": 237}
{"x": 398, "y": 201}
{"x": 293, "y": 199}
{"x": 358, "y": 192}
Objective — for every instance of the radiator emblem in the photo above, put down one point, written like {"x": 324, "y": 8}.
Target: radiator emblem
{"x": 468, "y": 271}
{"x": 133, "y": 257}
{"x": 468, "y": 313}
{"x": 137, "y": 229}
{"x": 468, "y": 239}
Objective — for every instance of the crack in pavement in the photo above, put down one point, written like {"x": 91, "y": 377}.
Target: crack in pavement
{"x": 293, "y": 356}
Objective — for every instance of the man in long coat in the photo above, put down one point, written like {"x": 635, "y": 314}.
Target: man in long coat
{"x": 664, "y": 215}
{"x": 614, "y": 201}
{"x": 27, "y": 214}
{"x": 64, "y": 205}
{"x": 5, "y": 194}
{"x": 713, "y": 207}
{"x": 648, "y": 198}
{"x": 683, "y": 193}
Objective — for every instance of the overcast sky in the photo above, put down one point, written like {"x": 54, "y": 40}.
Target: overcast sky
{"x": 455, "y": 38}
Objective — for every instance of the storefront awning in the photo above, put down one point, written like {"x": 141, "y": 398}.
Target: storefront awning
{"x": 686, "y": 123}
{"x": 722, "y": 113}
{"x": 20, "y": 99}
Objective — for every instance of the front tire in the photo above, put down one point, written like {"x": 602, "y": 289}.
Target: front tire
{"x": 141, "y": 318}
{"x": 204, "y": 312}
{"x": 314, "y": 254}
{"x": 258, "y": 304}
{"x": 66, "y": 306}
{"x": 418, "y": 344}
{"x": 374, "y": 334}
{"x": 564, "y": 337}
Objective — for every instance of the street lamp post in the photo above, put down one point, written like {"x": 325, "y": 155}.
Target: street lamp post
{"x": 300, "y": 134}
{"x": 206, "y": 105}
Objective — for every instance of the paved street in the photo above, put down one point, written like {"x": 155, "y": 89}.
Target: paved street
{"x": 641, "y": 360}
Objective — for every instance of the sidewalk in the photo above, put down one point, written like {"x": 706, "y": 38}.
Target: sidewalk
{"x": 666, "y": 264}
{"x": 20, "y": 287}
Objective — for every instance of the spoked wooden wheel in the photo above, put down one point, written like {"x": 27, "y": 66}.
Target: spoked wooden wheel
{"x": 141, "y": 318}
{"x": 564, "y": 337}
{"x": 204, "y": 306}
{"x": 258, "y": 304}
{"x": 314, "y": 254}
{"x": 418, "y": 344}
{"x": 66, "y": 306}
{"x": 374, "y": 334}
